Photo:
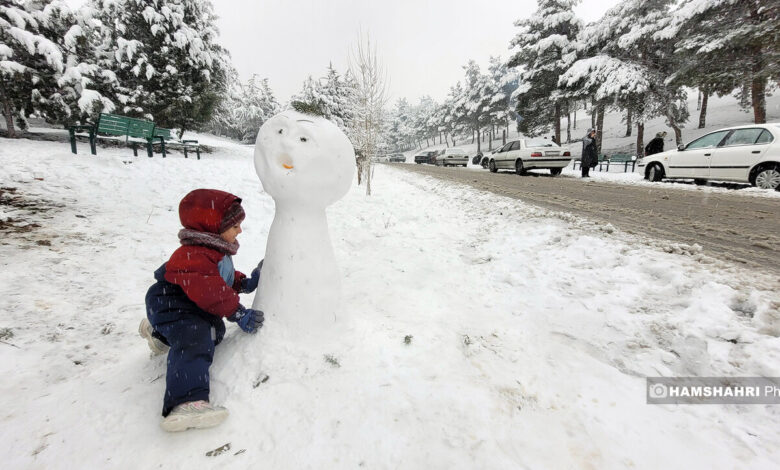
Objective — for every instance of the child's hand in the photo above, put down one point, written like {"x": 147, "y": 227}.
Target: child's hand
{"x": 249, "y": 284}
{"x": 248, "y": 320}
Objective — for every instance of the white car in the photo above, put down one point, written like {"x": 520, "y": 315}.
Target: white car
{"x": 528, "y": 154}
{"x": 452, "y": 156}
{"x": 745, "y": 154}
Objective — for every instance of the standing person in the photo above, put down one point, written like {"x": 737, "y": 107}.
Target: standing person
{"x": 589, "y": 157}
{"x": 195, "y": 290}
{"x": 656, "y": 144}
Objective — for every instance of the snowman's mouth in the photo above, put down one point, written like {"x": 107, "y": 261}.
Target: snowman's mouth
{"x": 286, "y": 161}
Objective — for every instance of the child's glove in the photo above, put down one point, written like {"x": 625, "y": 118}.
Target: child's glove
{"x": 249, "y": 284}
{"x": 248, "y": 320}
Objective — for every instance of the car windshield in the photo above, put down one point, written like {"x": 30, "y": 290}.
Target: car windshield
{"x": 540, "y": 143}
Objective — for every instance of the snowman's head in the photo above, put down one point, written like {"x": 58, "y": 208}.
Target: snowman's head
{"x": 304, "y": 159}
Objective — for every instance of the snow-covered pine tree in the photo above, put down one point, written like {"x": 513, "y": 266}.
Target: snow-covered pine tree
{"x": 499, "y": 87}
{"x": 454, "y": 113}
{"x": 165, "y": 56}
{"x": 541, "y": 54}
{"x": 257, "y": 104}
{"x": 622, "y": 64}
{"x": 243, "y": 108}
{"x": 475, "y": 100}
{"x": 399, "y": 133}
{"x": 84, "y": 88}
{"x": 336, "y": 98}
{"x": 727, "y": 43}
{"x": 423, "y": 123}
{"x": 30, "y": 62}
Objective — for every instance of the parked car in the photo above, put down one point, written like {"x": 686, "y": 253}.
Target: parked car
{"x": 425, "y": 156}
{"x": 451, "y": 157}
{"x": 527, "y": 154}
{"x": 744, "y": 154}
{"x": 397, "y": 158}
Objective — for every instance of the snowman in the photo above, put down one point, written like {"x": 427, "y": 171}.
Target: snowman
{"x": 305, "y": 163}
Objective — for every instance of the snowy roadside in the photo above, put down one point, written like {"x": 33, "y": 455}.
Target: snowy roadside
{"x": 530, "y": 332}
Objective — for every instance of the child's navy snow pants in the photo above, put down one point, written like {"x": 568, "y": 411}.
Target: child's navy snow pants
{"x": 192, "y": 335}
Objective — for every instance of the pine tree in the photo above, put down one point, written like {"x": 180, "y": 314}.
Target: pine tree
{"x": 541, "y": 48}
{"x": 622, "y": 64}
{"x": 30, "y": 62}
{"x": 165, "y": 56}
{"x": 724, "y": 44}
{"x": 243, "y": 108}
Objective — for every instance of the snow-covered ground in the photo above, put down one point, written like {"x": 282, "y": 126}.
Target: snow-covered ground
{"x": 483, "y": 332}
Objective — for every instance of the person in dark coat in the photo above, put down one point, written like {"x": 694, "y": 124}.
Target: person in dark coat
{"x": 656, "y": 145}
{"x": 185, "y": 307}
{"x": 589, "y": 157}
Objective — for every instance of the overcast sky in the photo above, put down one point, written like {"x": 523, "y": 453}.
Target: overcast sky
{"x": 423, "y": 43}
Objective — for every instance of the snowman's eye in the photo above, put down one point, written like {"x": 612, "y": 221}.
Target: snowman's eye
{"x": 280, "y": 131}
{"x": 304, "y": 139}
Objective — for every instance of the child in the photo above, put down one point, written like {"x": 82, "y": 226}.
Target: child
{"x": 195, "y": 289}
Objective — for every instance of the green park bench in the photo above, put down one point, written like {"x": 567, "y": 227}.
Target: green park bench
{"x": 116, "y": 125}
{"x": 166, "y": 137}
{"x": 602, "y": 159}
{"x": 618, "y": 158}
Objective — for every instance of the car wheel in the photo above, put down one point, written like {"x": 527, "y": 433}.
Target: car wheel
{"x": 492, "y": 166}
{"x": 519, "y": 169}
{"x": 767, "y": 178}
{"x": 655, "y": 172}
{"x": 556, "y": 171}
{"x": 699, "y": 182}
{"x": 484, "y": 163}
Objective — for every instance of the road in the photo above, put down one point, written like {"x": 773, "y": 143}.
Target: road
{"x": 728, "y": 226}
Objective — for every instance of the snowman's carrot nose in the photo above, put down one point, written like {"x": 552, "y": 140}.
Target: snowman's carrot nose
{"x": 289, "y": 167}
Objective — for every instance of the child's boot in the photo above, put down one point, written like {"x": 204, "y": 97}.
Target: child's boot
{"x": 194, "y": 414}
{"x": 145, "y": 330}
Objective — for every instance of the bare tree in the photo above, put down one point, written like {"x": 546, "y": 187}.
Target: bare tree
{"x": 370, "y": 85}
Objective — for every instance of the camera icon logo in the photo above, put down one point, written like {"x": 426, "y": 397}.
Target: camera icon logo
{"x": 658, "y": 391}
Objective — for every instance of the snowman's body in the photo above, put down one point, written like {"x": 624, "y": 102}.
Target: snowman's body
{"x": 305, "y": 163}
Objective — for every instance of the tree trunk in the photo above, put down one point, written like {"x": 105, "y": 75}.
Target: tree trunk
{"x": 477, "y": 131}
{"x": 599, "y": 124}
{"x": 593, "y": 117}
{"x": 575, "y": 118}
{"x": 490, "y": 142}
{"x": 359, "y": 163}
{"x": 557, "y": 122}
{"x": 698, "y": 101}
{"x": 568, "y": 128}
{"x": 9, "y": 116}
{"x": 673, "y": 124}
{"x": 704, "y": 96}
{"x": 368, "y": 176}
{"x": 640, "y": 137}
{"x": 628, "y": 122}
{"x": 758, "y": 99}
{"x": 503, "y": 137}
